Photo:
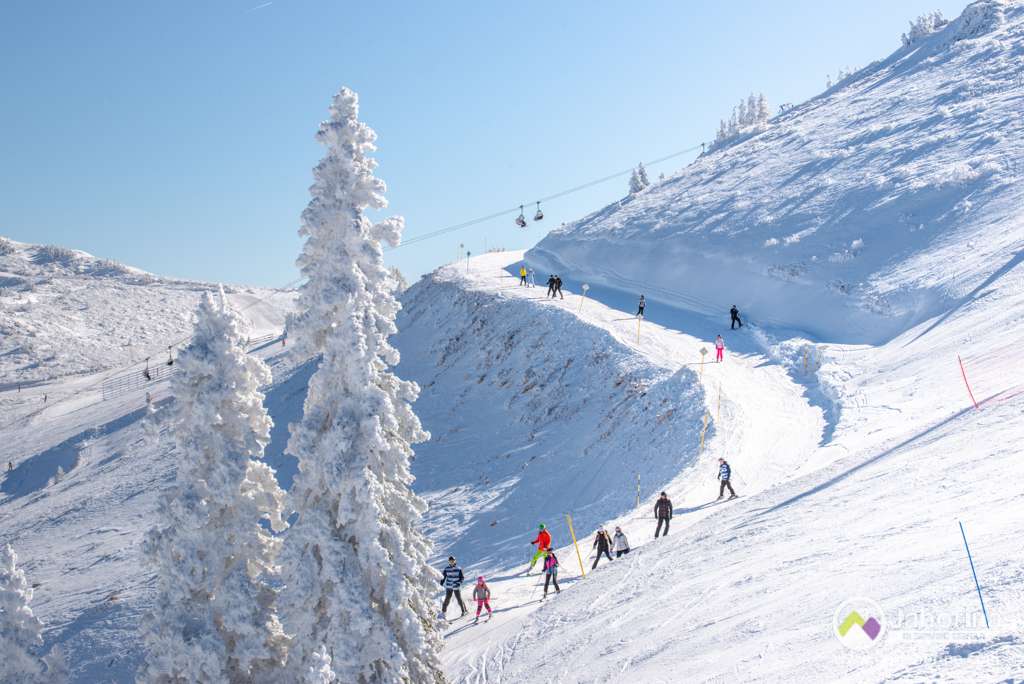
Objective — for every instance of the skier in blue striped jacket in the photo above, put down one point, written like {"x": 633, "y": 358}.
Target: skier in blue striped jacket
{"x": 724, "y": 473}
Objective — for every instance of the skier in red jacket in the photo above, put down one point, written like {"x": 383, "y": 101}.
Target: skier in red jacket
{"x": 543, "y": 542}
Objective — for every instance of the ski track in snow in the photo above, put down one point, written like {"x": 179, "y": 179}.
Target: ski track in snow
{"x": 745, "y": 590}
{"x": 782, "y": 439}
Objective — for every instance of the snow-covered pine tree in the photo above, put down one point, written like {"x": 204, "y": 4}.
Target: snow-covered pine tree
{"x": 751, "y": 109}
{"x": 763, "y": 112}
{"x": 21, "y": 632}
{"x": 357, "y": 583}
{"x": 214, "y": 618}
{"x": 635, "y": 185}
{"x": 641, "y": 173}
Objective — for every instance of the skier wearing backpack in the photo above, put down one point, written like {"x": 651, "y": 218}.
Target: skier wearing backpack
{"x": 558, "y": 287}
{"x": 619, "y": 543}
{"x": 735, "y": 314}
{"x": 550, "y": 572}
{"x": 451, "y": 581}
{"x": 719, "y": 349}
{"x": 543, "y": 542}
{"x": 551, "y": 286}
{"x": 522, "y": 276}
{"x": 482, "y": 596}
{"x": 724, "y": 473}
{"x": 663, "y": 512}
{"x": 640, "y": 307}
{"x": 603, "y": 544}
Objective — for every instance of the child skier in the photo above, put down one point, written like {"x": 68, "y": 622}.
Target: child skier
{"x": 543, "y": 542}
{"x": 724, "y": 473}
{"x": 550, "y": 572}
{"x": 522, "y": 276}
{"x": 482, "y": 596}
{"x": 640, "y": 307}
{"x": 719, "y": 349}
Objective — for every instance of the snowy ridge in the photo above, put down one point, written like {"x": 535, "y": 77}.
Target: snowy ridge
{"x": 833, "y": 219}
{"x": 65, "y": 312}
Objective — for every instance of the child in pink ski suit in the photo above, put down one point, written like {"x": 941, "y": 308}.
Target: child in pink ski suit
{"x": 719, "y": 348}
{"x": 482, "y": 594}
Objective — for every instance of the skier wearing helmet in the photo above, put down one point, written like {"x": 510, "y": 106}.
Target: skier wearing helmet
{"x": 543, "y": 542}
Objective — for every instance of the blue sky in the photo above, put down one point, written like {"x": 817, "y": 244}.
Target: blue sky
{"x": 178, "y": 136}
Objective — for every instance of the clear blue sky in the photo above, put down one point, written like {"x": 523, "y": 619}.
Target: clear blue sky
{"x": 178, "y": 136}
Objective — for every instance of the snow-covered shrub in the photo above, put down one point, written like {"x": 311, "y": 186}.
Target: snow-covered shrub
{"x": 214, "y": 618}
{"x": 922, "y": 27}
{"x": 638, "y": 180}
{"x": 357, "y": 584}
{"x": 6, "y": 247}
{"x": 979, "y": 18}
{"x": 47, "y": 254}
{"x": 749, "y": 116}
{"x": 21, "y": 632}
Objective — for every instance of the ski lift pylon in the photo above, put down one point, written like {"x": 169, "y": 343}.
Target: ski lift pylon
{"x": 521, "y": 220}
{"x": 539, "y": 216}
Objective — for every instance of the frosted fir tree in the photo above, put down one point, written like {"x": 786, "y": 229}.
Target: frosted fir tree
{"x": 357, "y": 583}
{"x": 21, "y": 632}
{"x": 763, "y": 111}
{"x": 641, "y": 172}
{"x": 214, "y": 618}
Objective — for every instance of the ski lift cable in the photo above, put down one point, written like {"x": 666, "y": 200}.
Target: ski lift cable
{"x": 498, "y": 214}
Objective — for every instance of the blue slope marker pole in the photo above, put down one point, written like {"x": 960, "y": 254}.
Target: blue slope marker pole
{"x": 977, "y": 586}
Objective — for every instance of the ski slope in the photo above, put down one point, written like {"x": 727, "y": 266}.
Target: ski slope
{"x": 747, "y": 589}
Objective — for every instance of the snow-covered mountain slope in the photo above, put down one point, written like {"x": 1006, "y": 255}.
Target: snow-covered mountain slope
{"x": 66, "y": 312}
{"x": 851, "y": 217}
{"x": 748, "y": 590}
{"x": 537, "y": 410}
{"x": 81, "y": 495}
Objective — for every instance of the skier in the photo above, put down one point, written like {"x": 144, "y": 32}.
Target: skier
{"x": 640, "y": 308}
{"x": 603, "y": 544}
{"x": 522, "y": 276}
{"x": 663, "y": 512}
{"x": 543, "y": 542}
{"x": 482, "y": 596}
{"x": 724, "y": 473}
{"x": 551, "y": 286}
{"x": 550, "y": 572}
{"x": 558, "y": 287}
{"x": 735, "y": 313}
{"x": 10, "y": 466}
{"x": 533, "y": 282}
{"x": 719, "y": 349}
{"x": 619, "y": 543}
{"x": 451, "y": 581}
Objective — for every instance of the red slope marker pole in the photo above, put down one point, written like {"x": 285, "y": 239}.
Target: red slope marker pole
{"x": 964, "y": 373}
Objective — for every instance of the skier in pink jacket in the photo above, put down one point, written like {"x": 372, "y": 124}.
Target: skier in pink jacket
{"x": 719, "y": 349}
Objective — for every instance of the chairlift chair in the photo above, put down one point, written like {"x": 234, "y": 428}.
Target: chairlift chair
{"x": 539, "y": 216}
{"x": 170, "y": 357}
{"x": 521, "y": 220}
